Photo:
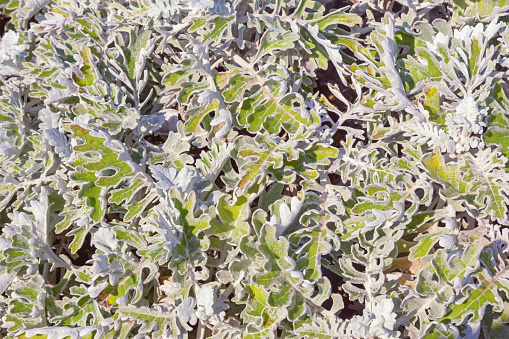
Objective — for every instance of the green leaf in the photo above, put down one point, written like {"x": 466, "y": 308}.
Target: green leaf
{"x": 441, "y": 331}
{"x": 267, "y": 156}
{"x": 238, "y": 84}
{"x": 432, "y": 103}
{"x": 269, "y": 108}
{"x": 498, "y": 132}
{"x": 102, "y": 163}
{"x": 88, "y": 68}
{"x": 448, "y": 268}
{"x": 189, "y": 254}
{"x": 423, "y": 247}
{"x": 126, "y": 195}
{"x": 489, "y": 180}
{"x": 281, "y": 277}
{"x": 123, "y": 332}
{"x": 220, "y": 24}
{"x": 196, "y": 114}
{"x": 337, "y": 17}
{"x": 138, "y": 40}
{"x": 156, "y": 321}
{"x": 74, "y": 315}
{"x": 259, "y": 312}
{"x": 450, "y": 175}
{"x": 271, "y": 42}
{"x": 475, "y": 299}
{"x": 130, "y": 237}
{"x": 326, "y": 328}
{"x": 473, "y": 304}
{"x": 79, "y": 234}
{"x": 477, "y": 9}
{"x": 314, "y": 242}
{"x": 277, "y": 269}
{"x": 233, "y": 213}
{"x": 25, "y": 307}
{"x": 435, "y": 290}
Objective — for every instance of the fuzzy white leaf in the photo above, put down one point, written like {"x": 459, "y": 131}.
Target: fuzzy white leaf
{"x": 205, "y": 298}
{"x": 185, "y": 311}
{"x": 167, "y": 178}
{"x": 58, "y": 94}
{"x": 7, "y": 148}
{"x": 58, "y": 140}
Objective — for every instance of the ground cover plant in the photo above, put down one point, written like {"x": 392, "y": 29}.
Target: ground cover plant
{"x": 254, "y": 169}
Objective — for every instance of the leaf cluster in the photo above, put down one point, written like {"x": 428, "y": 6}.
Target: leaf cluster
{"x": 254, "y": 169}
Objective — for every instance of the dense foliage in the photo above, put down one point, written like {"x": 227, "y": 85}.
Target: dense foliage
{"x": 254, "y": 169}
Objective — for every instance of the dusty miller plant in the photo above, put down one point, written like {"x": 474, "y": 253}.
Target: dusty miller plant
{"x": 173, "y": 169}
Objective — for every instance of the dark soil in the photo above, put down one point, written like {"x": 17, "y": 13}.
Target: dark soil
{"x": 3, "y": 22}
